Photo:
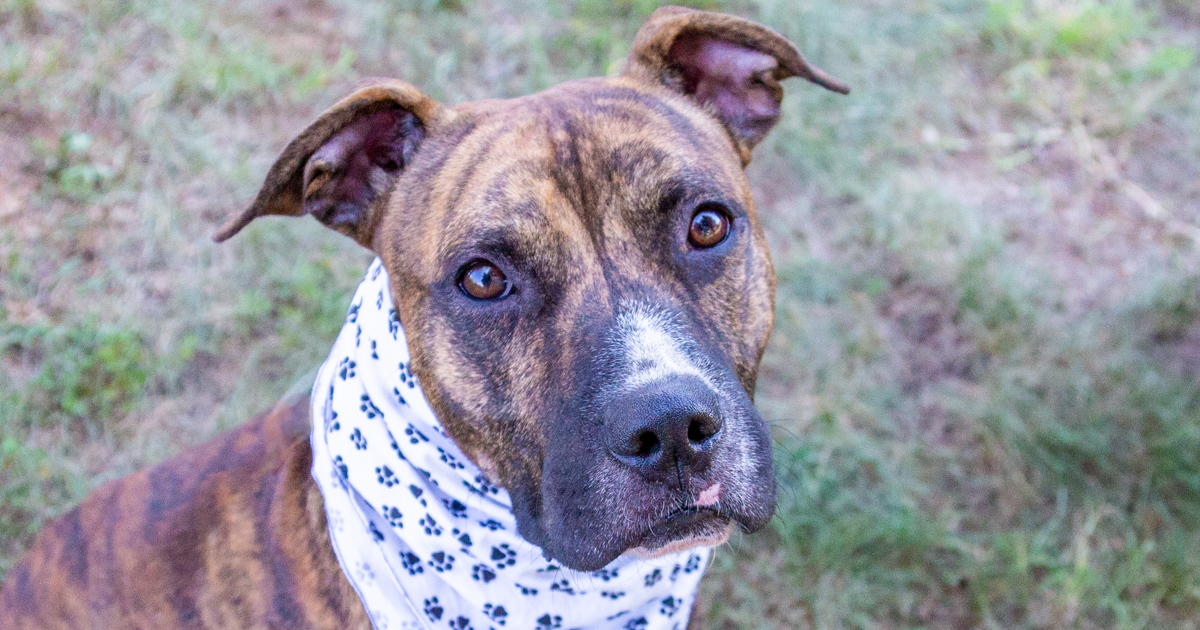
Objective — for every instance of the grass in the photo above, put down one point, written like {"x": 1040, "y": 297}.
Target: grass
{"x": 985, "y": 376}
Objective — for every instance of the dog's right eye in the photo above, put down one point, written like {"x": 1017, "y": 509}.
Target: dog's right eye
{"x": 483, "y": 281}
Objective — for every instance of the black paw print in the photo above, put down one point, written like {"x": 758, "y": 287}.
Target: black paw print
{"x": 393, "y": 517}
{"x": 399, "y": 396}
{"x": 495, "y": 613}
{"x": 334, "y": 425}
{"x": 406, "y": 376}
{"x": 504, "y": 556}
{"x": 341, "y": 466}
{"x": 431, "y": 526}
{"x": 450, "y": 460}
{"x": 369, "y": 408}
{"x": 441, "y": 561}
{"x": 654, "y": 577}
{"x": 491, "y": 524}
{"x": 546, "y": 622}
{"x": 411, "y": 563}
{"x": 461, "y": 623}
{"x": 414, "y": 435}
{"x": 636, "y": 624}
{"x": 374, "y": 354}
{"x": 527, "y": 590}
{"x": 396, "y": 448}
{"x": 357, "y": 336}
{"x": 352, "y": 314}
{"x": 357, "y": 438}
{"x": 483, "y": 573}
{"x": 433, "y": 608}
{"x": 375, "y": 269}
{"x": 693, "y": 564}
{"x": 378, "y": 535}
{"x": 457, "y": 509}
{"x": 670, "y": 606}
{"x": 464, "y": 538}
{"x": 675, "y": 572}
{"x": 606, "y": 574}
{"x": 612, "y": 594}
{"x": 550, "y": 568}
{"x": 379, "y": 300}
{"x": 393, "y": 324}
{"x": 346, "y": 368}
{"x": 563, "y": 586}
{"x": 485, "y": 486}
{"x": 386, "y": 476}
{"x": 417, "y": 492}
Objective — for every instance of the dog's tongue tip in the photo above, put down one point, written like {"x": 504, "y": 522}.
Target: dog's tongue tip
{"x": 709, "y": 496}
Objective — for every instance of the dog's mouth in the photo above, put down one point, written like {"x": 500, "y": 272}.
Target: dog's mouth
{"x": 684, "y": 528}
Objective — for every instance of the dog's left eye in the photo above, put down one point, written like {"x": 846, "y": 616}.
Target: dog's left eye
{"x": 483, "y": 281}
{"x": 710, "y": 226}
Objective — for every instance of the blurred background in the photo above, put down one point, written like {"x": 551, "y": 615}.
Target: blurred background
{"x": 984, "y": 382}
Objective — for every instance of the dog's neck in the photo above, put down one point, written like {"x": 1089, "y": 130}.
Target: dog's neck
{"x": 421, "y": 533}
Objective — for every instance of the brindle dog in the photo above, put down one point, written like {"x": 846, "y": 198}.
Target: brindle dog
{"x": 587, "y": 294}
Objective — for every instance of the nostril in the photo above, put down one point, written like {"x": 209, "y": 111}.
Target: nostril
{"x": 645, "y": 444}
{"x": 700, "y": 430}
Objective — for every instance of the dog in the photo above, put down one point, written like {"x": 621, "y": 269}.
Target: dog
{"x": 586, "y": 292}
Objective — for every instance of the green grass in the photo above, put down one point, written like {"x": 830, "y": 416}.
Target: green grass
{"x": 985, "y": 376}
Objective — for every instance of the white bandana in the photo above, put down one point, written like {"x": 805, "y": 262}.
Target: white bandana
{"x": 425, "y": 540}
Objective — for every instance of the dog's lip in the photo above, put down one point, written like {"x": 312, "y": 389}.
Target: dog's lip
{"x": 683, "y": 523}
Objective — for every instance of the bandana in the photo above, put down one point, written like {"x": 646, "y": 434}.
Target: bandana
{"x": 424, "y": 538}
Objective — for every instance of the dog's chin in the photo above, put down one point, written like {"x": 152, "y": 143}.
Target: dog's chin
{"x": 686, "y": 529}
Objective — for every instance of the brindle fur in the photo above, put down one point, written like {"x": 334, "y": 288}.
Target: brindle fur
{"x": 578, "y": 192}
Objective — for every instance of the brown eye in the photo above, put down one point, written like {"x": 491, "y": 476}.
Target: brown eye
{"x": 709, "y": 227}
{"x": 483, "y": 281}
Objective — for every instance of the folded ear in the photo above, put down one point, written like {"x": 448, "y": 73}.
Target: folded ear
{"x": 729, "y": 65}
{"x": 341, "y": 169}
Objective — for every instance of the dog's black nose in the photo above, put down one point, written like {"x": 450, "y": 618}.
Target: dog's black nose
{"x": 664, "y": 423}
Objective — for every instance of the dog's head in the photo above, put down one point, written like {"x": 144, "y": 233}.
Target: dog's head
{"x": 582, "y": 276}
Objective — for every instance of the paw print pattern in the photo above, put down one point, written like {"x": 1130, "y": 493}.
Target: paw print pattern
{"x": 431, "y": 526}
{"x": 340, "y": 464}
{"x": 491, "y": 525}
{"x": 637, "y": 623}
{"x": 379, "y": 300}
{"x": 675, "y": 572}
{"x": 374, "y": 350}
{"x": 385, "y": 476}
{"x": 406, "y": 377}
{"x": 653, "y": 577}
{"x": 456, "y": 507}
{"x": 606, "y": 574}
{"x": 495, "y": 613}
{"x": 462, "y": 537}
{"x": 332, "y": 423}
{"x": 393, "y": 324}
{"x": 504, "y": 556}
{"x": 670, "y": 606}
{"x": 411, "y": 563}
{"x": 345, "y": 368}
{"x": 527, "y": 590}
{"x": 360, "y": 442}
{"x": 483, "y": 573}
{"x": 612, "y": 594}
{"x": 693, "y": 564}
{"x": 393, "y": 516}
{"x": 399, "y": 396}
{"x": 433, "y": 608}
{"x": 548, "y": 622}
{"x": 450, "y": 460}
{"x": 441, "y": 561}
{"x": 461, "y": 623}
{"x": 417, "y": 492}
{"x": 369, "y": 408}
{"x": 375, "y": 533}
{"x": 563, "y": 586}
{"x": 414, "y": 436}
{"x": 352, "y": 314}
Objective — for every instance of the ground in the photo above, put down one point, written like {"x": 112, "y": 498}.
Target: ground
{"x": 984, "y": 382}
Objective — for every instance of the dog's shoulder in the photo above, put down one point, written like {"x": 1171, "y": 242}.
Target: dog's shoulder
{"x": 235, "y": 526}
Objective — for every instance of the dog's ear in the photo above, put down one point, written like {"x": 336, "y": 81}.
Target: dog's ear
{"x": 341, "y": 169}
{"x": 731, "y": 66}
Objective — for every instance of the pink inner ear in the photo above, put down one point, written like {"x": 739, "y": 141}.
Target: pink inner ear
{"x": 735, "y": 80}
